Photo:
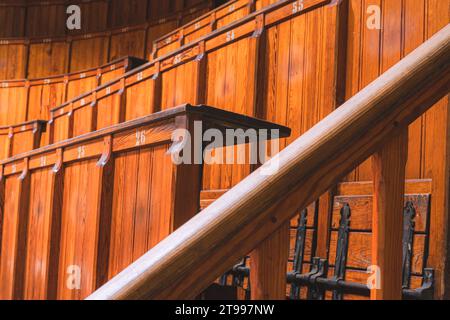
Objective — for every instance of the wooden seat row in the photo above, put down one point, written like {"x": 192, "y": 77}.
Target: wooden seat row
{"x": 24, "y": 18}
{"x": 227, "y": 13}
{"x": 47, "y": 56}
{"x": 349, "y": 242}
{"x": 207, "y": 71}
{"x": 87, "y": 207}
{"x": 32, "y": 99}
{"x": 289, "y": 64}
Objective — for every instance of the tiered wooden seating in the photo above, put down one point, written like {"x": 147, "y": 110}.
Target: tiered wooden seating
{"x": 32, "y": 99}
{"x": 285, "y": 63}
{"x": 99, "y": 201}
{"x": 20, "y": 138}
{"x": 209, "y": 71}
{"x": 48, "y": 55}
{"x": 24, "y": 18}
{"x": 253, "y": 215}
{"x": 219, "y": 17}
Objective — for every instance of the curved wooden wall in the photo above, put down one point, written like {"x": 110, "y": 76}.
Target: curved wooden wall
{"x": 23, "y": 18}
{"x": 32, "y": 99}
{"x": 43, "y": 56}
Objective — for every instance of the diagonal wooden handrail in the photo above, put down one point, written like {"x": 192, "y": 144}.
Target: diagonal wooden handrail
{"x": 192, "y": 257}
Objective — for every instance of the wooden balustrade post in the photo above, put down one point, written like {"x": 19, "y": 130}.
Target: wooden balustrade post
{"x": 268, "y": 265}
{"x": 388, "y": 165}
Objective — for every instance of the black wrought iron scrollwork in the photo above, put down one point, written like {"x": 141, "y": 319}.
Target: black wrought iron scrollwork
{"x": 342, "y": 249}
{"x": 409, "y": 214}
{"x": 299, "y": 251}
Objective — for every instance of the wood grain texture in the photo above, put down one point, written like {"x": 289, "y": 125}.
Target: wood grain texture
{"x": 268, "y": 267}
{"x": 308, "y": 167}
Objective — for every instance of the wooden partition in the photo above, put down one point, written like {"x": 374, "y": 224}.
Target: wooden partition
{"x": 96, "y": 203}
{"x": 210, "y": 71}
{"x": 45, "y": 54}
{"x": 23, "y": 18}
{"x": 32, "y": 99}
{"x": 404, "y": 26}
{"x": 20, "y": 138}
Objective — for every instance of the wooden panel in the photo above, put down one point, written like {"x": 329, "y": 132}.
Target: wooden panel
{"x": 268, "y": 267}
{"x": 111, "y": 75}
{"x": 43, "y": 235}
{"x": 23, "y": 142}
{"x": 128, "y": 44}
{"x": 4, "y": 146}
{"x": 361, "y": 207}
{"x": 88, "y": 53}
{"x": 60, "y": 129}
{"x": 80, "y": 230}
{"x": 46, "y": 20}
{"x": 94, "y": 17}
{"x": 142, "y": 99}
{"x": 157, "y": 31}
{"x": 110, "y": 110}
{"x": 158, "y": 9}
{"x": 229, "y": 88}
{"x": 142, "y": 205}
{"x": 232, "y": 14}
{"x": 129, "y": 12}
{"x": 83, "y": 121}
{"x": 263, "y": 3}
{"x": 81, "y": 86}
{"x": 359, "y": 252}
{"x": 437, "y": 151}
{"x": 43, "y": 98}
{"x": 372, "y": 52}
{"x": 180, "y": 85}
{"x": 14, "y": 226}
{"x": 12, "y": 21}
{"x": 13, "y": 106}
{"x": 405, "y": 25}
{"x": 13, "y": 59}
{"x": 47, "y": 59}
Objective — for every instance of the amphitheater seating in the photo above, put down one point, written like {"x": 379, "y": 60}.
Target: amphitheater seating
{"x": 289, "y": 62}
{"x": 20, "y": 18}
{"x": 38, "y": 56}
{"x": 28, "y": 100}
{"x": 76, "y": 175}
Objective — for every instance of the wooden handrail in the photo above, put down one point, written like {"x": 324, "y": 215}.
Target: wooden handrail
{"x": 191, "y": 258}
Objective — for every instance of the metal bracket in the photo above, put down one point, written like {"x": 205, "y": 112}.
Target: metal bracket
{"x": 59, "y": 161}
{"x": 25, "y": 169}
{"x": 107, "y": 152}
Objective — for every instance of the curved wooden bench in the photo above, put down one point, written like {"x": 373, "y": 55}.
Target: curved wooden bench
{"x": 30, "y": 99}
{"x": 86, "y": 191}
{"x": 44, "y": 56}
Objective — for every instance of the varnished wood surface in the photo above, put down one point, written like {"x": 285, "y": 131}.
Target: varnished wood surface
{"x": 48, "y": 55}
{"x": 389, "y": 165}
{"x": 178, "y": 268}
{"x": 32, "y": 99}
{"x": 88, "y": 207}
